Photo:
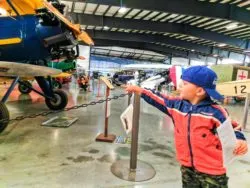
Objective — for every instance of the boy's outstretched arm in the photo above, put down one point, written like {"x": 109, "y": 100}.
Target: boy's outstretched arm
{"x": 134, "y": 89}
{"x": 163, "y": 103}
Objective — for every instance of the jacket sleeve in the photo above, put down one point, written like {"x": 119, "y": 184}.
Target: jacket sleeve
{"x": 237, "y": 130}
{"x": 162, "y": 102}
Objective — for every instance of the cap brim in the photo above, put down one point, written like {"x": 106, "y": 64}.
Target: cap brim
{"x": 214, "y": 94}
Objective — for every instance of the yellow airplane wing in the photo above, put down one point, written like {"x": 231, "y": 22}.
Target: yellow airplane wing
{"x": 23, "y": 7}
{"x": 62, "y": 75}
{"x": 81, "y": 35}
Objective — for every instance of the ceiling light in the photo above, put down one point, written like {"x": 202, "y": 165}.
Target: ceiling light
{"x": 122, "y": 10}
{"x": 231, "y": 26}
{"x": 192, "y": 50}
{"x": 247, "y": 51}
{"x": 105, "y": 27}
{"x": 221, "y": 45}
{"x": 192, "y": 38}
{"x": 3, "y": 12}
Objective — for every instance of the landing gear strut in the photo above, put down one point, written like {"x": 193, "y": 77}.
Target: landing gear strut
{"x": 4, "y": 115}
{"x": 54, "y": 99}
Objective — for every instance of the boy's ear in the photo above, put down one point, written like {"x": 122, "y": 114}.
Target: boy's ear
{"x": 201, "y": 91}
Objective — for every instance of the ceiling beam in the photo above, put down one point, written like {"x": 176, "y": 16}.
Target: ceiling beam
{"x": 146, "y": 46}
{"x": 129, "y": 56}
{"x": 85, "y": 19}
{"x": 188, "y": 7}
{"x": 132, "y": 37}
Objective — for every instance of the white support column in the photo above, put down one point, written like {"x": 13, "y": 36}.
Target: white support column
{"x": 84, "y": 64}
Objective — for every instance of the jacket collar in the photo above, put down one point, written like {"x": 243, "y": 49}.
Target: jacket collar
{"x": 206, "y": 102}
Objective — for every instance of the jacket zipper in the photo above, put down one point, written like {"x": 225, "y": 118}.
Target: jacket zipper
{"x": 189, "y": 140}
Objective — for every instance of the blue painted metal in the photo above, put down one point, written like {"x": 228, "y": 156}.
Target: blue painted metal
{"x": 36, "y": 91}
{"x": 45, "y": 86}
{"x": 32, "y": 34}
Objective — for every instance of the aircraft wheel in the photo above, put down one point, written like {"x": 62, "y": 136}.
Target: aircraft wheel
{"x": 110, "y": 80}
{"x": 117, "y": 84}
{"x": 4, "y": 114}
{"x": 23, "y": 89}
{"x": 56, "y": 84}
{"x": 60, "y": 103}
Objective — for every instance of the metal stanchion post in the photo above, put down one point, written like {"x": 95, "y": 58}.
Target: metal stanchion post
{"x": 129, "y": 99}
{"x": 98, "y": 88}
{"x": 106, "y": 137}
{"x": 133, "y": 169}
{"x": 245, "y": 114}
{"x": 89, "y": 90}
{"x": 106, "y": 113}
{"x": 135, "y": 128}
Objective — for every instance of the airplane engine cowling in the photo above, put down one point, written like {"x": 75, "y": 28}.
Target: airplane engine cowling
{"x": 65, "y": 38}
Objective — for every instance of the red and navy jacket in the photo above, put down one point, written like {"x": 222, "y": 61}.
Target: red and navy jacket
{"x": 196, "y": 140}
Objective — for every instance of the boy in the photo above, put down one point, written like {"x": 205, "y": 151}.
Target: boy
{"x": 196, "y": 117}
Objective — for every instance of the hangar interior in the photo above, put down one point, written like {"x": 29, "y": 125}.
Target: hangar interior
{"x": 125, "y": 33}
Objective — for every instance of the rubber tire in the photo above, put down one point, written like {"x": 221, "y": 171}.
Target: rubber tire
{"x": 24, "y": 90}
{"x": 56, "y": 84}
{"x": 4, "y": 114}
{"x": 62, "y": 96}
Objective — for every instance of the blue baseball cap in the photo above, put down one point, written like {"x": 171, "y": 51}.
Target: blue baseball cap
{"x": 203, "y": 77}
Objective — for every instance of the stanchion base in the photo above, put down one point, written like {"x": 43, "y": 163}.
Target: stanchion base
{"x": 143, "y": 172}
{"x": 108, "y": 138}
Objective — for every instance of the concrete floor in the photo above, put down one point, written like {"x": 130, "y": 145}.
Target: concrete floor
{"x": 35, "y": 156}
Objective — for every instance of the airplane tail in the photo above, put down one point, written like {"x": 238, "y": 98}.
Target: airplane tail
{"x": 175, "y": 73}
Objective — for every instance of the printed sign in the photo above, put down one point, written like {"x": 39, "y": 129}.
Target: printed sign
{"x": 242, "y": 74}
{"x": 127, "y": 118}
{"x": 235, "y": 88}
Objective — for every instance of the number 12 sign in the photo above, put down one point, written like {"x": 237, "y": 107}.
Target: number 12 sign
{"x": 234, "y": 88}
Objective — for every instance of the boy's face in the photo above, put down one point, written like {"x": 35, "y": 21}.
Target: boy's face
{"x": 189, "y": 91}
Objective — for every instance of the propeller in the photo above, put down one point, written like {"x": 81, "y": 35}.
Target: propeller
{"x": 80, "y": 35}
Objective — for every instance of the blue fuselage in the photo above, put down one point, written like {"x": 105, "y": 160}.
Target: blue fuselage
{"x": 28, "y": 29}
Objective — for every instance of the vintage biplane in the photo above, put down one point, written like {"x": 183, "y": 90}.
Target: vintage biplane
{"x": 32, "y": 33}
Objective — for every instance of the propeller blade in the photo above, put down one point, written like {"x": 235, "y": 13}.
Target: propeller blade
{"x": 80, "y": 35}
{"x": 85, "y": 37}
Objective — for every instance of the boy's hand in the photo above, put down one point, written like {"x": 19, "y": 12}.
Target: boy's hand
{"x": 134, "y": 89}
{"x": 241, "y": 147}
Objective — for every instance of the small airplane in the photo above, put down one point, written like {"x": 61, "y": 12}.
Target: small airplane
{"x": 33, "y": 33}
{"x": 167, "y": 74}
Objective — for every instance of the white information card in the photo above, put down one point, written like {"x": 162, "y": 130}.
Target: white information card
{"x": 228, "y": 141}
{"x": 127, "y": 118}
